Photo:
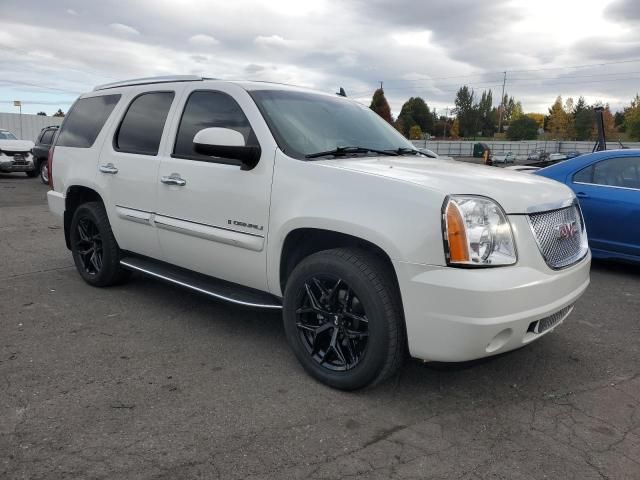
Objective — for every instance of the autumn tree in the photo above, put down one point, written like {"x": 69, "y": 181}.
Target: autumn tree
{"x": 59, "y": 113}
{"x": 538, "y": 118}
{"x": 608, "y": 123}
{"x": 380, "y": 105}
{"x": 415, "y": 133}
{"x": 632, "y": 119}
{"x": 559, "y": 120}
{"x": 455, "y": 129}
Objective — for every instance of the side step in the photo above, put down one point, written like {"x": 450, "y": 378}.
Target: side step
{"x": 213, "y": 287}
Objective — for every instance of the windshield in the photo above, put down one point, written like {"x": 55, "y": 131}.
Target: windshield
{"x": 7, "y": 136}
{"x": 307, "y": 123}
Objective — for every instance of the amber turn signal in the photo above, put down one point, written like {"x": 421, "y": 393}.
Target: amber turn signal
{"x": 456, "y": 234}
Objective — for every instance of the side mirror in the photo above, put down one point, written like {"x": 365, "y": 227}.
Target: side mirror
{"x": 226, "y": 143}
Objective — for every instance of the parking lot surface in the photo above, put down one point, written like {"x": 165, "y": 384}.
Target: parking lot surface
{"x": 148, "y": 381}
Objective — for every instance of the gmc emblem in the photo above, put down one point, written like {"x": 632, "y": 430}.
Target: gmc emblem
{"x": 566, "y": 230}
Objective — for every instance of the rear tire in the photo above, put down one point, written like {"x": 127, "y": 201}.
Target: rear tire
{"x": 343, "y": 318}
{"x": 44, "y": 172}
{"x": 94, "y": 248}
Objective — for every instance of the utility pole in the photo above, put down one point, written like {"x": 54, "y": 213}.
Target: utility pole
{"x": 504, "y": 81}
{"x": 18, "y": 103}
{"x": 446, "y": 119}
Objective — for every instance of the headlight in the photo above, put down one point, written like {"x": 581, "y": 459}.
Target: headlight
{"x": 476, "y": 232}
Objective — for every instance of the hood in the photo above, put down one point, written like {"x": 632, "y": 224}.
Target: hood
{"x": 516, "y": 192}
{"x": 16, "y": 145}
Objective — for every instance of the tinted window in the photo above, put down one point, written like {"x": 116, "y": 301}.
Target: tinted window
{"x": 7, "y": 136}
{"x": 142, "y": 125}
{"x": 585, "y": 175}
{"x": 85, "y": 120}
{"x": 205, "y": 109}
{"x": 47, "y": 137}
{"x": 618, "y": 172}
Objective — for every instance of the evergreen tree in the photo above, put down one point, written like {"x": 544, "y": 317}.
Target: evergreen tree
{"x": 380, "y": 105}
{"x": 415, "y": 112}
{"x": 465, "y": 112}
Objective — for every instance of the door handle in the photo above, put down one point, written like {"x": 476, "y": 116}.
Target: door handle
{"x": 581, "y": 195}
{"x": 109, "y": 168}
{"x": 174, "y": 179}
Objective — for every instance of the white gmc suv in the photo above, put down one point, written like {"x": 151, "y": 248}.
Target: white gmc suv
{"x": 277, "y": 197}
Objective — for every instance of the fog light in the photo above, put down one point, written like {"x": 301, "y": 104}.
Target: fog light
{"x": 499, "y": 341}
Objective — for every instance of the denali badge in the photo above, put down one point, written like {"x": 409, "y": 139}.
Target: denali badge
{"x": 566, "y": 230}
{"x": 244, "y": 224}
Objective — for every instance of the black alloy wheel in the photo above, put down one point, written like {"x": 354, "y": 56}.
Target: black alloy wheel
{"x": 343, "y": 318}
{"x": 94, "y": 248}
{"x": 88, "y": 245}
{"x": 332, "y": 323}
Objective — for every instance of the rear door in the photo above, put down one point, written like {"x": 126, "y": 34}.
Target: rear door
{"x": 215, "y": 221}
{"x": 128, "y": 167}
{"x": 609, "y": 193}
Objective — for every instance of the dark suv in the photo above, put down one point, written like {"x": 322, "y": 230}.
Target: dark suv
{"x": 41, "y": 151}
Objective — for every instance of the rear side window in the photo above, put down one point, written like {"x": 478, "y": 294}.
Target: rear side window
{"x": 205, "y": 109}
{"x": 85, "y": 120}
{"x": 47, "y": 136}
{"x": 141, "y": 128}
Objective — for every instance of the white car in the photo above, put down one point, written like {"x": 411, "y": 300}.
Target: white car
{"x": 505, "y": 158}
{"x": 16, "y": 155}
{"x": 277, "y": 197}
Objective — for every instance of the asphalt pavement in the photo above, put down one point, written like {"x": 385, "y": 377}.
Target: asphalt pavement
{"x": 149, "y": 381}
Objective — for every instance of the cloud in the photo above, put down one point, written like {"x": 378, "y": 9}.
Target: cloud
{"x": 271, "y": 41}
{"x": 416, "y": 48}
{"x": 121, "y": 28}
{"x": 201, "y": 40}
{"x": 71, "y": 11}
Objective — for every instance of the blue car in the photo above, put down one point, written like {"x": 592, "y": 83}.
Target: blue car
{"x": 607, "y": 185}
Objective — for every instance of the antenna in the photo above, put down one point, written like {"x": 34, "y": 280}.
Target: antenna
{"x": 341, "y": 93}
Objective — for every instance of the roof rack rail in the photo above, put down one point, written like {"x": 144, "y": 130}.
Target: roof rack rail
{"x": 150, "y": 80}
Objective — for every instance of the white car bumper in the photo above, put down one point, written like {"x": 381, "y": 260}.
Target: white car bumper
{"x": 455, "y": 315}
{"x": 56, "y": 202}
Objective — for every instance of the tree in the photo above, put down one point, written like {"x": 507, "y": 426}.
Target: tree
{"x": 558, "y": 124}
{"x": 455, "y": 129}
{"x": 59, "y": 113}
{"x": 380, "y": 105}
{"x": 523, "y": 128}
{"x": 538, "y": 118}
{"x": 632, "y": 119}
{"x": 608, "y": 123}
{"x": 465, "y": 112}
{"x": 486, "y": 115}
{"x": 582, "y": 119}
{"x": 415, "y": 112}
{"x": 415, "y": 133}
{"x": 43, "y": 114}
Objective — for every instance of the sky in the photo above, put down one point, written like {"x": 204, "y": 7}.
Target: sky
{"x": 50, "y": 52}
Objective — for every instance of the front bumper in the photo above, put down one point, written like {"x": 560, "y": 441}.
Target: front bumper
{"x": 455, "y": 315}
{"x": 9, "y": 164}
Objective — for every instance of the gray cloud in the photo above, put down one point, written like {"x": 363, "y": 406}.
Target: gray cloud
{"x": 414, "y": 47}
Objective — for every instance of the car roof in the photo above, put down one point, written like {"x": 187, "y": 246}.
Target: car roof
{"x": 249, "y": 85}
{"x": 576, "y": 163}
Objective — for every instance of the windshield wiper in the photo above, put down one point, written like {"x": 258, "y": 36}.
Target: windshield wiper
{"x": 347, "y": 150}
{"x": 410, "y": 151}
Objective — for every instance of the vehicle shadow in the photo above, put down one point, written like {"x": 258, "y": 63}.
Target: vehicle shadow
{"x": 615, "y": 266}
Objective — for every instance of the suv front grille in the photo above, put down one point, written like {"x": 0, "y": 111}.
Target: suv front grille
{"x": 560, "y": 235}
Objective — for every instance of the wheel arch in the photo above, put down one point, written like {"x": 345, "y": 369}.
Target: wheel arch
{"x": 77, "y": 195}
{"x": 301, "y": 242}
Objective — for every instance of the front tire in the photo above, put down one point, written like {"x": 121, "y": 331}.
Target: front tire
{"x": 343, "y": 319}
{"x": 94, "y": 248}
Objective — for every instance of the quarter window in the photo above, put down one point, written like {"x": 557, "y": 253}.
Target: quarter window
{"x": 141, "y": 128}
{"x": 205, "y": 109}
{"x": 83, "y": 123}
{"x": 584, "y": 176}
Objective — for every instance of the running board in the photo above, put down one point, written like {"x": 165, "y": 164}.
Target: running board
{"x": 214, "y": 287}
